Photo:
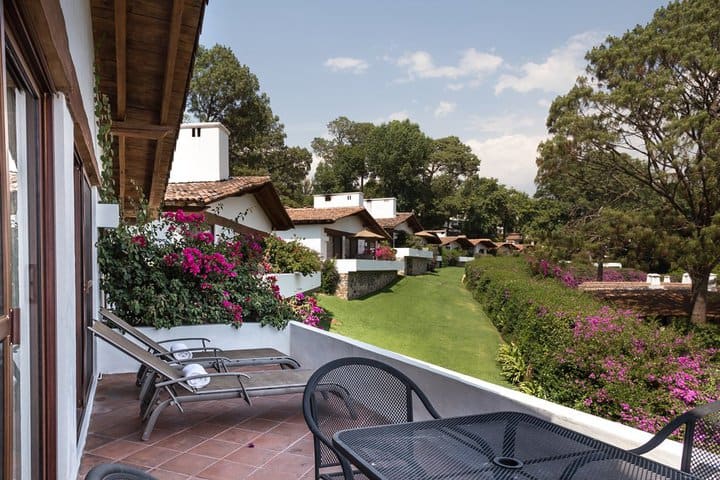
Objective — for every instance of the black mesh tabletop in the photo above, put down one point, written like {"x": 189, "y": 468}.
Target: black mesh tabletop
{"x": 502, "y": 446}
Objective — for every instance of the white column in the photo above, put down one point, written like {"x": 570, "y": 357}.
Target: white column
{"x": 65, "y": 281}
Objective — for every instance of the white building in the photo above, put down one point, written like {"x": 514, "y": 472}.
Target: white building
{"x": 200, "y": 181}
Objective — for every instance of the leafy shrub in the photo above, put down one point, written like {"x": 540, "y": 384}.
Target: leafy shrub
{"x": 292, "y": 256}
{"x": 450, "y": 257}
{"x": 581, "y": 353}
{"x": 175, "y": 272}
{"x": 330, "y": 278}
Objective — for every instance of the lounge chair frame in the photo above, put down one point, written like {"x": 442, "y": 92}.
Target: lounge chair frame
{"x": 247, "y": 356}
{"x": 223, "y": 385}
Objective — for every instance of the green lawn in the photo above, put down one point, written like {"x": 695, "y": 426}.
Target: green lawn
{"x": 431, "y": 317}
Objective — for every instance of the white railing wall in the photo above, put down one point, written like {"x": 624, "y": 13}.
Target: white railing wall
{"x": 348, "y": 265}
{"x": 451, "y": 393}
{"x": 293, "y": 283}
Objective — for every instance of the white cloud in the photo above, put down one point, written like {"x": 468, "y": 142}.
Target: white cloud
{"x": 544, "y": 102}
{"x": 455, "y": 86}
{"x": 444, "y": 109}
{"x": 504, "y": 124}
{"x": 472, "y": 63}
{"x": 401, "y": 115}
{"x": 509, "y": 158}
{"x": 557, "y": 73}
{"x": 346, "y": 64}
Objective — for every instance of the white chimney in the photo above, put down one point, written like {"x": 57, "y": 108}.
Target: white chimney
{"x": 201, "y": 153}
{"x": 334, "y": 200}
{"x": 381, "y": 207}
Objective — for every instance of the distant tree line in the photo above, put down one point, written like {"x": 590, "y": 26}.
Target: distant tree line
{"x": 436, "y": 178}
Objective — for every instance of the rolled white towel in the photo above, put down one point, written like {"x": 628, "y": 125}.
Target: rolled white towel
{"x": 180, "y": 355}
{"x": 193, "y": 369}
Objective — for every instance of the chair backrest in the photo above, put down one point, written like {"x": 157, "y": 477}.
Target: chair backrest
{"x": 135, "y": 351}
{"x": 701, "y": 440}
{"x": 357, "y": 392}
{"x": 117, "y": 471}
{"x": 133, "y": 331}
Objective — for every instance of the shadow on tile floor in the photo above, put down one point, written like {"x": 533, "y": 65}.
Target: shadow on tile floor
{"x": 215, "y": 440}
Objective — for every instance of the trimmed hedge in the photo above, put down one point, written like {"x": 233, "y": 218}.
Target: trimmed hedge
{"x": 535, "y": 314}
{"x": 570, "y": 348}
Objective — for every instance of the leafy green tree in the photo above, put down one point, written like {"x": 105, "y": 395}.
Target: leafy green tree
{"x": 288, "y": 168}
{"x": 648, "y": 112}
{"x": 223, "y": 90}
{"x": 344, "y": 156}
{"x": 449, "y": 164}
{"x": 398, "y": 154}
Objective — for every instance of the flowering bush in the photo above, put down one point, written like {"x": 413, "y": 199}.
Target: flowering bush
{"x": 635, "y": 371}
{"x": 384, "y": 252}
{"x": 174, "y": 271}
{"x": 586, "y": 355}
{"x": 307, "y": 310}
{"x": 574, "y": 275}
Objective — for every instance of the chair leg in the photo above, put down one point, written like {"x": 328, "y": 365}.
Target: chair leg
{"x": 140, "y": 377}
{"x": 147, "y": 382}
{"x": 153, "y": 419}
{"x": 146, "y": 404}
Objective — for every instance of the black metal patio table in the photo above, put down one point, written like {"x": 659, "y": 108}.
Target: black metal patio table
{"x": 502, "y": 446}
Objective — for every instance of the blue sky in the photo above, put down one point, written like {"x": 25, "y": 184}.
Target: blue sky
{"x": 483, "y": 71}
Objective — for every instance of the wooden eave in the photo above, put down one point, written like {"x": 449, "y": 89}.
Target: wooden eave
{"x": 144, "y": 58}
{"x": 269, "y": 199}
{"x": 214, "y": 219}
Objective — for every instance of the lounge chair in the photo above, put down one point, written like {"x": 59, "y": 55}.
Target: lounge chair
{"x": 223, "y": 385}
{"x": 202, "y": 355}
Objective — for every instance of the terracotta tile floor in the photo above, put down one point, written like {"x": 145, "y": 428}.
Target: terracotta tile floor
{"x": 216, "y": 440}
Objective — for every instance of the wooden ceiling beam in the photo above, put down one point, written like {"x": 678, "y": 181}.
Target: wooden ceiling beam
{"x": 160, "y": 172}
{"x": 172, "y": 52}
{"x": 121, "y": 58}
{"x": 140, "y": 130}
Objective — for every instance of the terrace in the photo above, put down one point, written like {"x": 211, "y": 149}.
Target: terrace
{"x": 230, "y": 439}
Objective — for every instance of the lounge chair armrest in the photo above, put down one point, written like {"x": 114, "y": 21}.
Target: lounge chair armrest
{"x": 199, "y": 360}
{"x": 214, "y": 350}
{"x": 199, "y": 339}
{"x": 239, "y": 375}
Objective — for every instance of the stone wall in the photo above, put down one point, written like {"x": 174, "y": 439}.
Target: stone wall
{"x": 358, "y": 284}
{"x": 416, "y": 265}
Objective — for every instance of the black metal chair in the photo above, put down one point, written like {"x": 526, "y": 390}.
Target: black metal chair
{"x": 701, "y": 440}
{"x": 117, "y": 471}
{"x": 357, "y": 392}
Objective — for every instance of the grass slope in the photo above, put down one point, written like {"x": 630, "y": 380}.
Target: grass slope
{"x": 431, "y": 317}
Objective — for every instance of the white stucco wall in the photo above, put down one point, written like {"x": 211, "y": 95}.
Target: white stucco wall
{"x": 351, "y": 224}
{"x": 381, "y": 207}
{"x": 314, "y": 237}
{"x": 347, "y": 199}
{"x": 246, "y": 209}
{"x": 309, "y": 235}
{"x": 78, "y": 21}
{"x": 201, "y": 158}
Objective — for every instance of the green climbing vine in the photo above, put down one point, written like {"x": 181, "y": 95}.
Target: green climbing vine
{"x": 104, "y": 138}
